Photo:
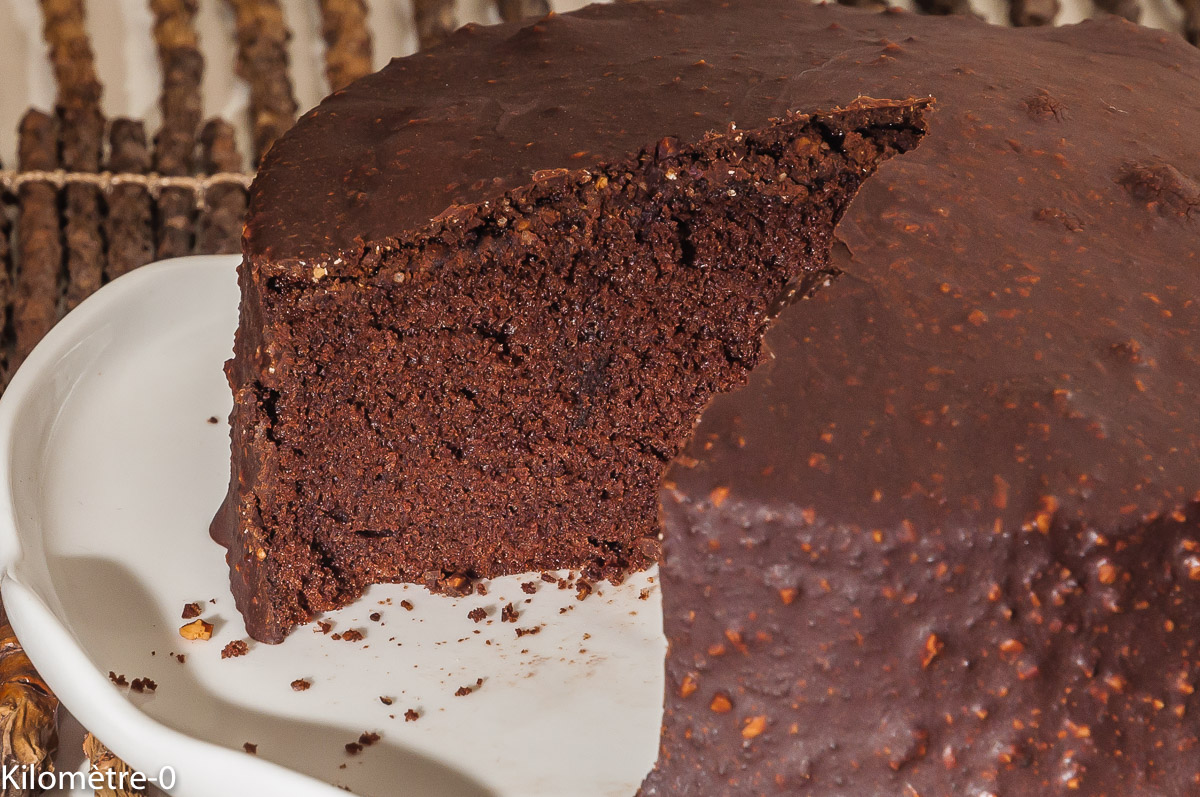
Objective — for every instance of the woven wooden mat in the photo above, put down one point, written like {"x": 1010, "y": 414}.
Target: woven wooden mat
{"x": 91, "y": 198}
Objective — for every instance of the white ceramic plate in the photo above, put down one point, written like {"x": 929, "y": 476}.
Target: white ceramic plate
{"x": 111, "y": 470}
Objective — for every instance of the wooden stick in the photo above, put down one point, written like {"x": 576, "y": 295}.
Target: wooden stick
{"x": 348, "y": 48}
{"x": 28, "y": 711}
{"x": 1129, "y": 9}
{"x": 6, "y": 275}
{"x": 115, "y": 771}
{"x": 871, "y": 5}
{"x": 173, "y": 223}
{"x": 38, "y": 271}
{"x": 262, "y": 37}
{"x": 182, "y": 66}
{"x": 944, "y": 7}
{"x": 1032, "y": 13}
{"x": 81, "y": 136}
{"x": 511, "y": 10}
{"x": 129, "y": 225}
{"x": 1191, "y": 20}
{"x": 221, "y": 224}
{"x": 434, "y": 21}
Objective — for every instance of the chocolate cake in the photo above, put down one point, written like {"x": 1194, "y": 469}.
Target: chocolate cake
{"x": 937, "y": 533}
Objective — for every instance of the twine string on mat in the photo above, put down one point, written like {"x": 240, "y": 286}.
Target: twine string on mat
{"x": 12, "y": 180}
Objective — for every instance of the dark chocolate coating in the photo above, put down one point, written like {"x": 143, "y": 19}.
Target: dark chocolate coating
{"x": 945, "y": 540}
{"x": 492, "y": 107}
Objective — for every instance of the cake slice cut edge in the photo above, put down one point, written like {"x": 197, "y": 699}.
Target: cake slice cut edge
{"x": 500, "y": 391}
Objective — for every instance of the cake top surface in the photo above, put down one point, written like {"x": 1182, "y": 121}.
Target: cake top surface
{"x": 494, "y": 106}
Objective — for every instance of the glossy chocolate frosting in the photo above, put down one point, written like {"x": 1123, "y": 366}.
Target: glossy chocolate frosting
{"x": 946, "y": 540}
{"x": 432, "y": 135}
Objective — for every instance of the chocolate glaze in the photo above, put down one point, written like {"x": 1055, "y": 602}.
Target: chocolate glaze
{"x": 432, "y": 135}
{"x": 946, "y": 539}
